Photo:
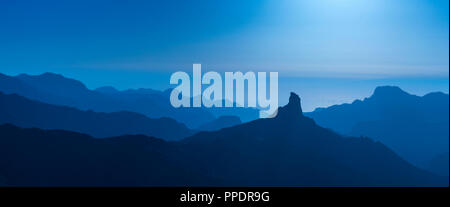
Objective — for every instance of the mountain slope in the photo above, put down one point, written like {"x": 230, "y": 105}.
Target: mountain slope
{"x": 34, "y": 157}
{"x": 291, "y": 150}
{"x": 415, "y": 127}
{"x": 23, "y": 112}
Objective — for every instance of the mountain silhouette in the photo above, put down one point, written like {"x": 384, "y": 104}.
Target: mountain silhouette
{"x": 35, "y": 157}
{"x": 23, "y": 112}
{"x": 59, "y": 90}
{"x": 288, "y": 150}
{"x": 415, "y": 127}
{"x": 219, "y": 123}
{"x": 292, "y": 150}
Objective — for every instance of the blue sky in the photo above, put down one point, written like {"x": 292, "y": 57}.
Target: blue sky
{"x": 140, "y": 43}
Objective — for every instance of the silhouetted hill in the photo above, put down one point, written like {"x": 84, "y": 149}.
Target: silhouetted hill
{"x": 221, "y": 122}
{"x": 23, "y": 112}
{"x": 10, "y": 85}
{"x": 34, "y": 157}
{"x": 49, "y": 81}
{"x": 413, "y": 126}
{"x": 291, "y": 150}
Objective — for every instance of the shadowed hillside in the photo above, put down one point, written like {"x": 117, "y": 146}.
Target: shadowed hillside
{"x": 415, "y": 127}
{"x": 34, "y": 157}
{"x": 23, "y": 112}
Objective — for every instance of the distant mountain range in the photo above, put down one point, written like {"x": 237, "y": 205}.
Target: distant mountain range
{"x": 23, "y": 112}
{"x": 59, "y": 90}
{"x": 288, "y": 150}
{"x": 415, "y": 127}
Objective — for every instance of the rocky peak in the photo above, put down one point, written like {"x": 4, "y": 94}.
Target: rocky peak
{"x": 293, "y": 109}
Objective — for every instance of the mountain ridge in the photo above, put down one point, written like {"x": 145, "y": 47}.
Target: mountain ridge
{"x": 24, "y": 112}
{"x": 416, "y": 127}
{"x": 59, "y": 90}
{"x": 291, "y": 145}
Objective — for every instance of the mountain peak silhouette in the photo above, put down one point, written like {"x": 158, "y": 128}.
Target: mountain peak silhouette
{"x": 52, "y": 81}
{"x": 292, "y": 150}
{"x": 293, "y": 110}
{"x": 388, "y": 92}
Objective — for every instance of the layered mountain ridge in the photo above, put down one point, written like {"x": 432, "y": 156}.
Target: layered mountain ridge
{"x": 416, "y": 127}
{"x": 59, "y": 90}
{"x": 20, "y": 111}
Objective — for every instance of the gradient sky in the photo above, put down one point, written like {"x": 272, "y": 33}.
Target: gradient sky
{"x": 317, "y": 46}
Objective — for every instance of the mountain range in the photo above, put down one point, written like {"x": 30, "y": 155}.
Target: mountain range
{"x": 23, "y": 112}
{"x": 59, "y": 90}
{"x": 416, "y": 127}
{"x": 288, "y": 150}
{"x": 370, "y": 142}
